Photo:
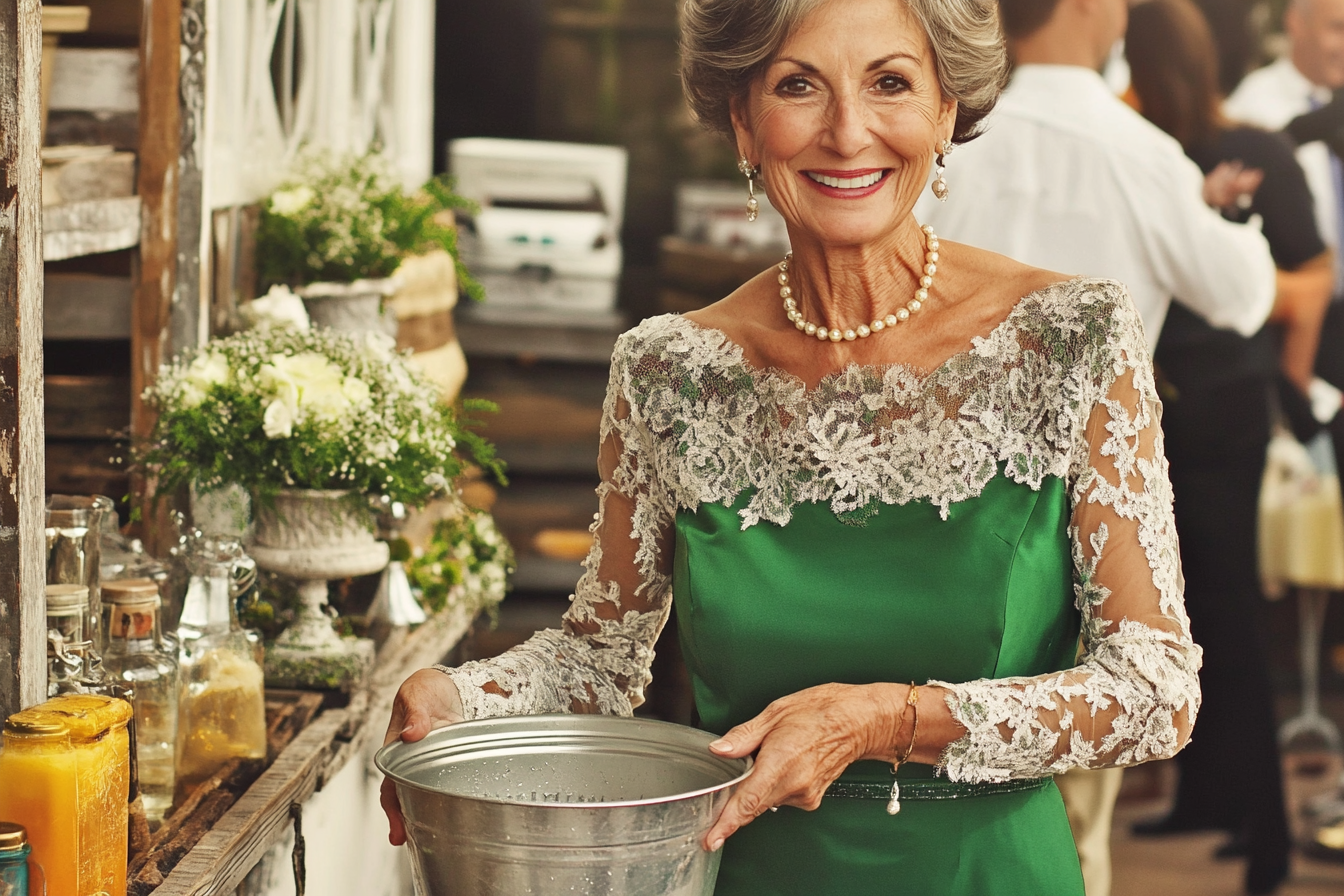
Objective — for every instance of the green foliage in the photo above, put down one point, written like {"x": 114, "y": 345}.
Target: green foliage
{"x": 467, "y": 559}
{"x": 341, "y": 218}
{"x": 317, "y": 409}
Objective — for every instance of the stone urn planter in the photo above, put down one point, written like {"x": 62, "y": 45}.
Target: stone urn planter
{"x": 314, "y": 536}
{"x": 355, "y": 307}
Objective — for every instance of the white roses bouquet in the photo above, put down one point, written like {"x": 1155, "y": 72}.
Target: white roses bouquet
{"x": 283, "y": 407}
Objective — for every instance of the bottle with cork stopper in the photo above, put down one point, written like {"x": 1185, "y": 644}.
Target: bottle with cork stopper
{"x": 135, "y": 655}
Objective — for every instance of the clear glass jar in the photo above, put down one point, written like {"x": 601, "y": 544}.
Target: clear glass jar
{"x": 136, "y": 656}
{"x": 71, "y": 665}
{"x": 222, "y": 713}
{"x": 74, "y": 548}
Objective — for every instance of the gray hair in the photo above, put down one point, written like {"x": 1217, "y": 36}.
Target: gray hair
{"x": 725, "y": 44}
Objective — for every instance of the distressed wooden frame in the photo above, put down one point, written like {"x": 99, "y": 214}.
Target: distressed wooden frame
{"x": 23, "y": 667}
{"x": 167, "y": 315}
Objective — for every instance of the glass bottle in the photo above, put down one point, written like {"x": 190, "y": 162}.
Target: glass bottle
{"x": 222, "y": 713}
{"x": 70, "y": 657}
{"x": 74, "y": 549}
{"x": 136, "y": 656}
{"x": 14, "y": 852}
{"x": 39, "y": 789}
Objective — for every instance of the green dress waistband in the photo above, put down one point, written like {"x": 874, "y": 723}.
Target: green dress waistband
{"x": 932, "y": 789}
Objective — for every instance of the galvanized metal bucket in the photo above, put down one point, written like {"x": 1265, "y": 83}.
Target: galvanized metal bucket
{"x": 561, "y": 804}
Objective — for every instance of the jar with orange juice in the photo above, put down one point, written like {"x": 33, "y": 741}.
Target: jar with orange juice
{"x": 39, "y": 789}
{"x": 65, "y": 776}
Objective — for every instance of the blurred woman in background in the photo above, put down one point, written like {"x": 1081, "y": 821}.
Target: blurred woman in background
{"x": 1217, "y": 386}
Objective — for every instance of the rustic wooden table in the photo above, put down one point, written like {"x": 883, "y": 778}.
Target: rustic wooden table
{"x": 264, "y": 814}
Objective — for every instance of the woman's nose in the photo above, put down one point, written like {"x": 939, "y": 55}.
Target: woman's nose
{"x": 849, "y": 127}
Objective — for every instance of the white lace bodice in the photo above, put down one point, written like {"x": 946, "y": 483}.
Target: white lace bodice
{"x": 1062, "y": 387}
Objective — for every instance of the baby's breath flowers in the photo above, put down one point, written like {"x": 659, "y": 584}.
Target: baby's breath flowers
{"x": 467, "y": 559}
{"x": 339, "y": 218}
{"x": 277, "y": 408}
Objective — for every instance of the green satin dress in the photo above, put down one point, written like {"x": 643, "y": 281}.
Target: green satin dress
{"x": 771, "y": 610}
{"x": 960, "y": 525}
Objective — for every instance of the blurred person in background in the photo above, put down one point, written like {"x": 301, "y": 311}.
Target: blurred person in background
{"x": 1282, "y": 95}
{"x": 1235, "y": 36}
{"x": 1068, "y": 177}
{"x": 1216, "y": 388}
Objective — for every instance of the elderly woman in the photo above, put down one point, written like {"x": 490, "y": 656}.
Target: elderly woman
{"x": 886, "y": 484}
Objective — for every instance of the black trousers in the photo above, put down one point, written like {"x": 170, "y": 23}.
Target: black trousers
{"x": 1230, "y": 775}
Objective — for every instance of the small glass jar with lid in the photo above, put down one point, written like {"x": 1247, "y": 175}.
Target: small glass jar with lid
{"x": 70, "y": 655}
{"x": 14, "y": 852}
{"x": 136, "y": 656}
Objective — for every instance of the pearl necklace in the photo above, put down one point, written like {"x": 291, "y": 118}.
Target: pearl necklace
{"x": 863, "y": 331}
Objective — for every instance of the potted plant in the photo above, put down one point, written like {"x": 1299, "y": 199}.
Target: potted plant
{"x": 340, "y": 225}
{"x": 467, "y": 561}
{"x": 314, "y": 423}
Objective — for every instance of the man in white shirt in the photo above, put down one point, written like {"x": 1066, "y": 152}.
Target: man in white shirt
{"x": 1069, "y": 178}
{"x": 1271, "y": 97}
{"x": 1297, "y": 83}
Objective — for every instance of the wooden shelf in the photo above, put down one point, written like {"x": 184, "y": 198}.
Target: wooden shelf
{"x": 546, "y": 574}
{"x": 539, "y": 336}
{"x": 584, "y": 20}
{"x": 87, "y": 306}
{"x": 261, "y": 817}
{"x": 87, "y": 407}
{"x": 85, "y": 228}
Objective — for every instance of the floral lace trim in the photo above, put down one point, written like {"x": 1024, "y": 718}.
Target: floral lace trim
{"x": 867, "y": 436}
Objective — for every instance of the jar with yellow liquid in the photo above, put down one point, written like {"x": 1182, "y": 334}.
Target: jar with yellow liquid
{"x": 222, "y": 712}
{"x": 65, "y": 775}
{"x": 39, "y": 789}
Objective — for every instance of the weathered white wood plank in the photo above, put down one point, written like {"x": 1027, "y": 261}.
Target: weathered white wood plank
{"x": 96, "y": 225}
{"x": 95, "y": 80}
{"x": 105, "y": 175}
{"x": 22, "y": 540}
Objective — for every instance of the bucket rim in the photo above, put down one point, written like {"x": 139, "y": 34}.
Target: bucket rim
{"x": 383, "y": 760}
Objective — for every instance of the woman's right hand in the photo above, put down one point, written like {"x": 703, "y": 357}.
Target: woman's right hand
{"x": 1232, "y": 186}
{"x": 425, "y": 701}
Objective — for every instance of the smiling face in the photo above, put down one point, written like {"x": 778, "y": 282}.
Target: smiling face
{"x": 845, "y": 121}
{"x": 1316, "y": 30}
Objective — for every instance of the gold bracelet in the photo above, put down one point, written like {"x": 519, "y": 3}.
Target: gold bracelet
{"x": 912, "y": 701}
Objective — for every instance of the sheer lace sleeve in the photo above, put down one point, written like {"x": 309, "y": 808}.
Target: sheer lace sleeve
{"x": 1134, "y": 694}
{"x": 598, "y": 661}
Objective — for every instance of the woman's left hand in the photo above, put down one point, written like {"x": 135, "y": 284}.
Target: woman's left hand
{"x": 805, "y": 740}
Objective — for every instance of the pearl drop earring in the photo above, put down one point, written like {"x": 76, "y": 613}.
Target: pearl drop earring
{"x": 940, "y": 189}
{"x": 750, "y": 171}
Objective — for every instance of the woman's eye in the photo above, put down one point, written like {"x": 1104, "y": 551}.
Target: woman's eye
{"x": 892, "y": 83}
{"x": 794, "y": 86}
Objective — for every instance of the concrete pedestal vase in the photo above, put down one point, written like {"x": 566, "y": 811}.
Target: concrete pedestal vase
{"x": 314, "y": 536}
